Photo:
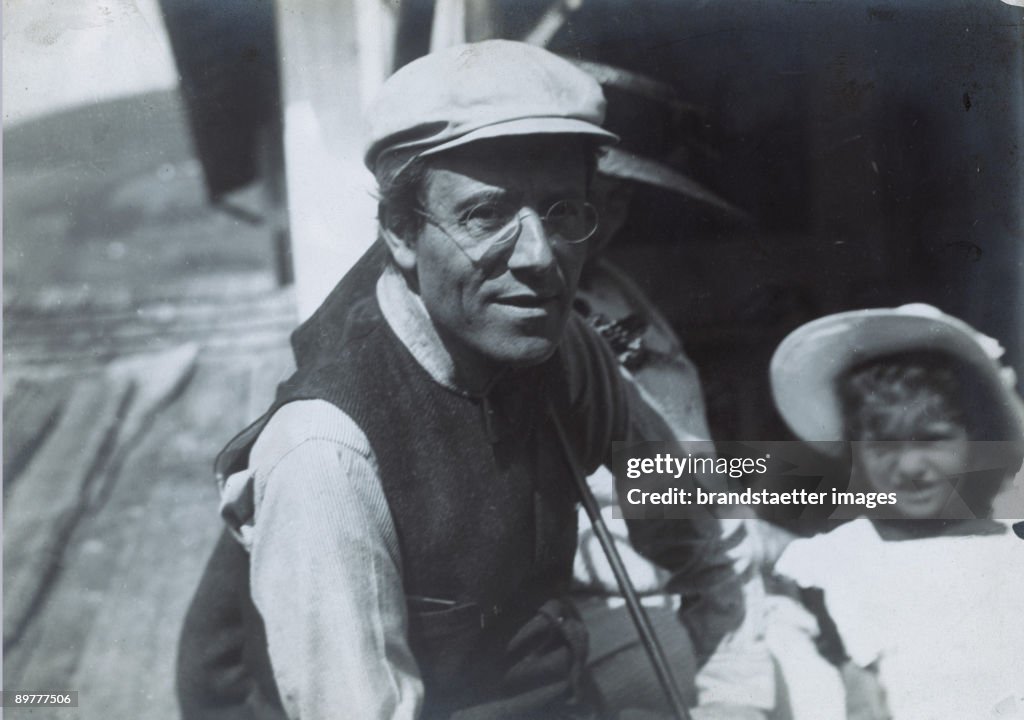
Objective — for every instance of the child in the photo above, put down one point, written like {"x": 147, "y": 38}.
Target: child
{"x": 926, "y": 602}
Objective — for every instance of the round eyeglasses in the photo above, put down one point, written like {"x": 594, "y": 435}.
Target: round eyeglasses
{"x": 490, "y": 227}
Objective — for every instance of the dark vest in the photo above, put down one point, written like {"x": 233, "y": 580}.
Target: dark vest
{"x": 481, "y": 496}
{"x": 479, "y": 488}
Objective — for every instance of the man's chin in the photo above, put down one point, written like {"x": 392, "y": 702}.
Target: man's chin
{"x": 522, "y": 341}
{"x": 523, "y": 352}
{"x": 536, "y": 355}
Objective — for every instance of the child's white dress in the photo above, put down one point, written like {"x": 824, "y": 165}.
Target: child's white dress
{"x": 943, "y": 617}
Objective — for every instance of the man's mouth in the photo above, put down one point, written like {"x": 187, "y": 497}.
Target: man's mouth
{"x": 528, "y": 300}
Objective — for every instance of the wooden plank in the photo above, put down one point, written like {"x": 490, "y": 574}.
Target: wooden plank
{"x": 42, "y": 508}
{"x": 133, "y": 562}
{"x": 32, "y": 338}
{"x": 138, "y": 626}
{"x": 157, "y": 378}
{"x": 30, "y": 413}
{"x": 157, "y": 568}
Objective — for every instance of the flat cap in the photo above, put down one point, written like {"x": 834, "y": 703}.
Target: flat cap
{"x": 490, "y": 89}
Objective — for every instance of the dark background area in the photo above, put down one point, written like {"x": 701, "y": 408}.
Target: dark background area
{"x": 877, "y": 146}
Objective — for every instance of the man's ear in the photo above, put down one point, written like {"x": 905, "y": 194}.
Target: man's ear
{"x": 403, "y": 251}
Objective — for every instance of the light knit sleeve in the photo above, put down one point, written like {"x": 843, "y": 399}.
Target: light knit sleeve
{"x": 326, "y": 571}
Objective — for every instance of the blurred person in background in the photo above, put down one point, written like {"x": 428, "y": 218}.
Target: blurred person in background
{"x": 655, "y": 129}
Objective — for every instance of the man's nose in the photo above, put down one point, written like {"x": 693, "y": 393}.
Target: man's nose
{"x": 533, "y": 248}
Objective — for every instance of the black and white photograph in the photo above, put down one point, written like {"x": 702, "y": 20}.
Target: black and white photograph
{"x": 513, "y": 359}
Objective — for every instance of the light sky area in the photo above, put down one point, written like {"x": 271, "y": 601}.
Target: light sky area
{"x": 59, "y": 54}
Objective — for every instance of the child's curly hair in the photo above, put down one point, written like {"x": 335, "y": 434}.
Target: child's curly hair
{"x": 875, "y": 395}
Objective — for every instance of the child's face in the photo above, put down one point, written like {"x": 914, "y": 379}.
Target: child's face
{"x": 919, "y": 458}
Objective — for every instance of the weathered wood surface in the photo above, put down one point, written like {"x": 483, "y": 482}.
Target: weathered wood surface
{"x": 117, "y": 500}
{"x": 31, "y": 410}
{"x": 42, "y": 509}
{"x": 84, "y": 335}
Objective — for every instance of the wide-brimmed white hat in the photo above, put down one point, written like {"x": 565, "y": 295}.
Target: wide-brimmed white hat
{"x": 807, "y": 364}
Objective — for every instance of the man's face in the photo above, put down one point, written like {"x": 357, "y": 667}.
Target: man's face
{"x": 505, "y": 308}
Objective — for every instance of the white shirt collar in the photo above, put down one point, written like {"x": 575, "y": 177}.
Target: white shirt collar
{"x": 408, "y": 318}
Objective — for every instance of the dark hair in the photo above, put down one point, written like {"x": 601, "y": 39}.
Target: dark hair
{"x": 874, "y": 394}
{"x": 899, "y": 380}
{"x": 400, "y": 186}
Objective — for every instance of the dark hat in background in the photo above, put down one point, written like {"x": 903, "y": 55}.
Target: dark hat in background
{"x": 656, "y": 132}
{"x": 489, "y": 89}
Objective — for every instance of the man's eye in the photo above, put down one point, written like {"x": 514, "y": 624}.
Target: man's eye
{"x": 485, "y": 217}
{"x": 563, "y": 210}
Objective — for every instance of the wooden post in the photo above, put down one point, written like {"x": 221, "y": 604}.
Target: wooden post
{"x": 334, "y": 56}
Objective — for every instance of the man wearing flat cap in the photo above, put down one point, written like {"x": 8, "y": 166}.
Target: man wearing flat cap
{"x": 403, "y": 517}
